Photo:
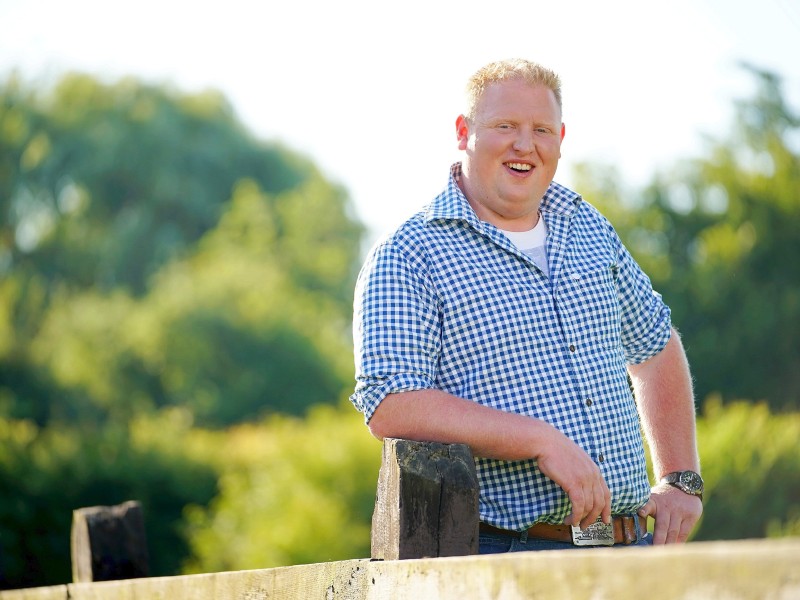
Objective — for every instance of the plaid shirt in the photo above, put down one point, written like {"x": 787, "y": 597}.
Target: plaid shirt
{"x": 448, "y": 302}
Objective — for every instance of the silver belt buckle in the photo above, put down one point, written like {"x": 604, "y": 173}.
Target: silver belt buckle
{"x": 596, "y": 534}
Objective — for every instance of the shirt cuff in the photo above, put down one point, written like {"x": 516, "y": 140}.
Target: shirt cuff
{"x": 370, "y": 393}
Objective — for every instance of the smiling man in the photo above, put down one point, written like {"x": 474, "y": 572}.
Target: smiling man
{"x": 507, "y": 315}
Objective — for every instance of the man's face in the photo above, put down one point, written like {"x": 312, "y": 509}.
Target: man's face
{"x": 512, "y": 149}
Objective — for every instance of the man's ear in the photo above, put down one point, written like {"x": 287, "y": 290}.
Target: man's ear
{"x": 462, "y": 132}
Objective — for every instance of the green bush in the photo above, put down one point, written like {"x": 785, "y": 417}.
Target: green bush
{"x": 751, "y": 466}
{"x": 292, "y": 491}
{"x": 46, "y": 473}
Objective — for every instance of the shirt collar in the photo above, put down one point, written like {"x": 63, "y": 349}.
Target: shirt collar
{"x": 452, "y": 204}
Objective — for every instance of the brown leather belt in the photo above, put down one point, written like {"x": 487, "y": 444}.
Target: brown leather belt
{"x": 624, "y": 530}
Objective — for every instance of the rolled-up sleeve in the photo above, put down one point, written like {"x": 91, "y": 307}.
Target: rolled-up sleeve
{"x": 396, "y": 326}
{"x": 645, "y": 318}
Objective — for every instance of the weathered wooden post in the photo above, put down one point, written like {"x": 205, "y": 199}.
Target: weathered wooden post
{"x": 427, "y": 501}
{"x": 108, "y": 543}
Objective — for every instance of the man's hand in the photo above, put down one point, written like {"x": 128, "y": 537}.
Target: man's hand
{"x": 676, "y": 513}
{"x": 563, "y": 461}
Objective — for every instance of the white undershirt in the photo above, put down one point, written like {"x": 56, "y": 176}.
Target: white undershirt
{"x": 532, "y": 244}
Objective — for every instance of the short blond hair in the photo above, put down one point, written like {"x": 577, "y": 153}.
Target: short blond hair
{"x": 507, "y": 70}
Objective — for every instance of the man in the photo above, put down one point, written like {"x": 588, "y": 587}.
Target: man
{"x": 507, "y": 315}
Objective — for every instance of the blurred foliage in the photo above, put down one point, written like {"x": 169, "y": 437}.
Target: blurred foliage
{"x": 175, "y": 302}
{"x": 100, "y": 184}
{"x": 285, "y": 490}
{"x": 291, "y": 492}
{"x": 46, "y": 473}
{"x": 225, "y": 332}
{"x": 718, "y": 237}
{"x": 751, "y": 468}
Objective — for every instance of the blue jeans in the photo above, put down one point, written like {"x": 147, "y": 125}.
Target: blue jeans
{"x": 497, "y": 543}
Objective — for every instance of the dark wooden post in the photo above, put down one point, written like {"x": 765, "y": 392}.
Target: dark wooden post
{"x": 427, "y": 501}
{"x": 108, "y": 543}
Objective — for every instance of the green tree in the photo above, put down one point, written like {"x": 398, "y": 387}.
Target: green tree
{"x": 101, "y": 184}
{"x": 226, "y": 332}
{"x": 718, "y": 236}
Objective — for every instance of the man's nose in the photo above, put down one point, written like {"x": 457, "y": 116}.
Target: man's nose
{"x": 524, "y": 141}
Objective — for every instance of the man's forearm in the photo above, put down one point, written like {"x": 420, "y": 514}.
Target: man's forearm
{"x": 435, "y": 416}
{"x": 663, "y": 388}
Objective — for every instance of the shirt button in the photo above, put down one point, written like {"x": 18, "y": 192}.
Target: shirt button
{"x": 572, "y": 347}
{"x": 601, "y": 458}
{"x": 588, "y": 402}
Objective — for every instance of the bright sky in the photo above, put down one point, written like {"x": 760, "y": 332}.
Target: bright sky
{"x": 370, "y": 90}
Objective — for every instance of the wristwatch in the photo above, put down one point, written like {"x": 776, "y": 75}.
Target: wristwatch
{"x": 686, "y": 481}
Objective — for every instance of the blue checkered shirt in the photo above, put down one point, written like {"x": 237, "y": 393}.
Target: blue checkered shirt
{"x": 448, "y": 302}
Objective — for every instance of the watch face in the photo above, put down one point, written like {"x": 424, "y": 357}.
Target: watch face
{"x": 691, "y": 480}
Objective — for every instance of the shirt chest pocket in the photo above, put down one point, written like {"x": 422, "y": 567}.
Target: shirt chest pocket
{"x": 591, "y": 300}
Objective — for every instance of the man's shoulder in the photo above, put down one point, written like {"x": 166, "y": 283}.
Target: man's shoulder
{"x": 430, "y": 222}
{"x": 405, "y": 238}
{"x": 409, "y": 228}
